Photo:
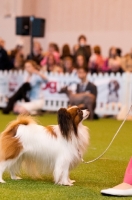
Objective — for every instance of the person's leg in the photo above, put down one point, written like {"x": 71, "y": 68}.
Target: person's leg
{"x": 31, "y": 107}
{"x": 128, "y": 173}
{"x": 19, "y": 95}
{"x": 35, "y": 106}
{"x": 18, "y": 109}
{"x": 125, "y": 188}
{"x": 75, "y": 99}
{"x": 127, "y": 181}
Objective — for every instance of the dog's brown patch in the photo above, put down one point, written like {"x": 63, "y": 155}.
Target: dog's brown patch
{"x": 10, "y": 145}
{"x": 76, "y": 114}
{"x": 51, "y": 130}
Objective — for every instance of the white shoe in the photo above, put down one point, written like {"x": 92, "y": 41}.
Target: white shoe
{"x": 117, "y": 192}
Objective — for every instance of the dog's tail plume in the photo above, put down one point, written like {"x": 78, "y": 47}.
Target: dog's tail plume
{"x": 21, "y": 119}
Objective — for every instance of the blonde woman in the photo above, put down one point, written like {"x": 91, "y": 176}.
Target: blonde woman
{"x": 29, "y": 91}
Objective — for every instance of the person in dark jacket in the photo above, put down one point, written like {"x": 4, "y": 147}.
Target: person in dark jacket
{"x": 82, "y": 48}
{"x": 84, "y": 94}
{"x": 37, "y": 55}
{"x": 4, "y": 59}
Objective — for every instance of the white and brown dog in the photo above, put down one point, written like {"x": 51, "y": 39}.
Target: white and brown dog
{"x": 55, "y": 148}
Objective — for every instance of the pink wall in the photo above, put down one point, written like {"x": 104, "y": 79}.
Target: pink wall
{"x": 104, "y": 22}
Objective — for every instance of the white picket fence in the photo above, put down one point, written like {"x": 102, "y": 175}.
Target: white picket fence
{"x": 11, "y": 81}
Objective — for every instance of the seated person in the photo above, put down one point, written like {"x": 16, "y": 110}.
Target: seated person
{"x": 51, "y": 65}
{"x": 85, "y": 93}
{"x": 66, "y": 52}
{"x": 127, "y": 62}
{"x": 54, "y": 50}
{"x": 58, "y": 69}
{"x": 96, "y": 61}
{"x": 5, "y": 63}
{"x": 37, "y": 54}
{"x": 81, "y": 61}
{"x": 114, "y": 61}
{"x": 16, "y": 56}
{"x": 68, "y": 65}
{"x": 82, "y": 48}
{"x": 32, "y": 85}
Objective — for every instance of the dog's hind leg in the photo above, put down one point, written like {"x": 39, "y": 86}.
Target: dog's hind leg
{"x": 15, "y": 168}
{"x": 71, "y": 181}
{"x": 3, "y": 167}
{"x": 14, "y": 177}
{"x": 13, "y": 174}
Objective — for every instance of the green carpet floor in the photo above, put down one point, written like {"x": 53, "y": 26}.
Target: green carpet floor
{"x": 90, "y": 179}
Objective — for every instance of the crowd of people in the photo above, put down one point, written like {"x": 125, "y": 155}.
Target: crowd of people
{"x": 28, "y": 99}
{"x": 65, "y": 60}
{"x": 80, "y": 61}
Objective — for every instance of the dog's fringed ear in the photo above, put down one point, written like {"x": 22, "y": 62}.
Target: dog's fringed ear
{"x": 65, "y": 122}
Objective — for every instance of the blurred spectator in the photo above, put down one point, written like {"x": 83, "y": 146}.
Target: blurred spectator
{"x": 58, "y": 69}
{"x": 82, "y": 48}
{"x": 119, "y": 52}
{"x": 106, "y": 67}
{"x": 96, "y": 61}
{"x": 65, "y": 51}
{"x": 32, "y": 85}
{"x": 19, "y": 62}
{"x": 84, "y": 94}
{"x": 68, "y": 65}
{"x": 81, "y": 61}
{"x": 114, "y": 61}
{"x": 56, "y": 47}
{"x": 54, "y": 50}
{"x": 51, "y": 64}
{"x": 5, "y": 63}
{"x": 2, "y": 43}
{"x": 127, "y": 62}
{"x": 37, "y": 53}
{"x": 16, "y": 56}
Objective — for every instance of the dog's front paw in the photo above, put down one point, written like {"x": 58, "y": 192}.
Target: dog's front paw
{"x": 72, "y": 181}
{"x": 66, "y": 183}
{"x": 16, "y": 178}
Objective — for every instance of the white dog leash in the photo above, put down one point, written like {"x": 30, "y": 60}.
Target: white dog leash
{"x": 111, "y": 140}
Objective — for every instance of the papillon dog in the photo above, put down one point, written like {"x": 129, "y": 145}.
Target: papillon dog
{"x": 54, "y": 148}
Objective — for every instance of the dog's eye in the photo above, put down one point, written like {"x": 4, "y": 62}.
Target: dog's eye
{"x": 79, "y": 111}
